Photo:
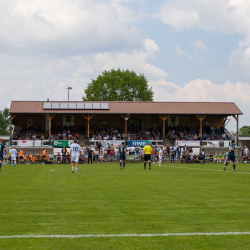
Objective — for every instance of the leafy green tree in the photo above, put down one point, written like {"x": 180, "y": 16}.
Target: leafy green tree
{"x": 119, "y": 85}
{"x": 245, "y": 130}
{"x": 4, "y": 122}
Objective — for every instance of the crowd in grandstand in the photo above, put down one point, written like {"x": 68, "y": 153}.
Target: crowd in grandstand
{"x": 106, "y": 133}
{"x": 193, "y": 133}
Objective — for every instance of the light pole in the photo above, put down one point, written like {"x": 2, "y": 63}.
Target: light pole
{"x": 68, "y": 92}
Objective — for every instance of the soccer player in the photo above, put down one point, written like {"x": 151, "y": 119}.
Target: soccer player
{"x": 203, "y": 156}
{"x": 147, "y": 155}
{"x": 74, "y": 155}
{"x": 13, "y": 156}
{"x": 122, "y": 151}
{"x": 2, "y": 148}
{"x": 160, "y": 157}
{"x": 231, "y": 155}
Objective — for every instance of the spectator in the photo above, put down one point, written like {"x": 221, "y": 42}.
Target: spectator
{"x": 112, "y": 154}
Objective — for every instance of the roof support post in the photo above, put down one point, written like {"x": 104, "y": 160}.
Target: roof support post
{"x": 236, "y": 117}
{"x": 50, "y": 117}
{"x": 88, "y": 119}
{"x": 11, "y": 118}
{"x": 201, "y": 118}
{"x": 164, "y": 118}
{"x": 126, "y": 124}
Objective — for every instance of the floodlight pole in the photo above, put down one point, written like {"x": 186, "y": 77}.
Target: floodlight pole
{"x": 68, "y": 92}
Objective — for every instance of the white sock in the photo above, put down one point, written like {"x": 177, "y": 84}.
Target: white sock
{"x": 76, "y": 169}
{"x": 73, "y": 168}
{"x": 15, "y": 163}
{"x": 159, "y": 162}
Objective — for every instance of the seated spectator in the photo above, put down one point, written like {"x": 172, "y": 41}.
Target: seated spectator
{"x": 211, "y": 157}
{"x": 77, "y": 135}
{"x": 184, "y": 158}
{"x": 58, "y": 158}
{"x": 195, "y": 159}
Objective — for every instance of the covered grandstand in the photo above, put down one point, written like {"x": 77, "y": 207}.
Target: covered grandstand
{"x": 125, "y": 118}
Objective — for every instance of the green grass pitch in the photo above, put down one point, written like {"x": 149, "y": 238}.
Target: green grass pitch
{"x": 102, "y": 199}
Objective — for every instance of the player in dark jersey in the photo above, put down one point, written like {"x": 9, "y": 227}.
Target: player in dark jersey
{"x": 203, "y": 156}
{"x": 2, "y": 148}
{"x": 122, "y": 151}
{"x": 231, "y": 155}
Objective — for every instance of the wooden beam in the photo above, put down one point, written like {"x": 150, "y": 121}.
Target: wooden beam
{"x": 88, "y": 118}
{"x": 225, "y": 119}
{"x": 12, "y": 116}
{"x": 201, "y": 118}
{"x": 50, "y": 117}
{"x": 126, "y": 124}
{"x": 164, "y": 118}
{"x": 237, "y": 130}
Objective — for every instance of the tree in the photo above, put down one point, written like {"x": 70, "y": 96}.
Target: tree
{"x": 245, "y": 130}
{"x": 117, "y": 85}
{"x": 4, "y": 122}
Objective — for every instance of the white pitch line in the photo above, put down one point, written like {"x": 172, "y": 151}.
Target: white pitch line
{"x": 207, "y": 169}
{"x": 121, "y": 235}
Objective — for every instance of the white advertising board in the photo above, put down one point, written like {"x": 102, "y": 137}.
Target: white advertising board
{"x": 25, "y": 143}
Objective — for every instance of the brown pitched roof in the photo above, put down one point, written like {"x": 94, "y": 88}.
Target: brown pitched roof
{"x": 173, "y": 108}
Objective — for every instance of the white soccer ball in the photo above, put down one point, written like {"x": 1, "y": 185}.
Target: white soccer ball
{"x": 153, "y": 162}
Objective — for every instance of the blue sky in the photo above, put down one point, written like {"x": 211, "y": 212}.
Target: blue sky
{"x": 188, "y": 50}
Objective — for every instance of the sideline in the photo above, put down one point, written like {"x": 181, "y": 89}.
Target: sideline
{"x": 122, "y": 235}
{"x": 208, "y": 169}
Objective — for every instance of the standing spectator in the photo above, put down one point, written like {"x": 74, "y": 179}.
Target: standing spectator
{"x": 246, "y": 150}
{"x": 137, "y": 150}
{"x": 172, "y": 155}
{"x": 153, "y": 155}
{"x": 112, "y": 154}
{"x": 118, "y": 153}
{"x": 164, "y": 152}
{"x": 179, "y": 152}
{"x": 90, "y": 153}
{"x": 64, "y": 150}
{"x": 175, "y": 151}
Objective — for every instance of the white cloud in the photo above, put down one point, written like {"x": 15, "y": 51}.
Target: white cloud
{"x": 198, "y": 45}
{"x": 240, "y": 58}
{"x": 39, "y": 78}
{"x": 137, "y": 61}
{"x": 228, "y": 16}
{"x": 66, "y": 26}
{"x": 178, "y": 16}
{"x": 195, "y": 56}
{"x": 205, "y": 91}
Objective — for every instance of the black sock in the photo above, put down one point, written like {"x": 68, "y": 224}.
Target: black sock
{"x": 144, "y": 164}
{"x": 234, "y": 167}
{"x": 120, "y": 165}
{"x": 149, "y": 164}
{"x": 123, "y": 164}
